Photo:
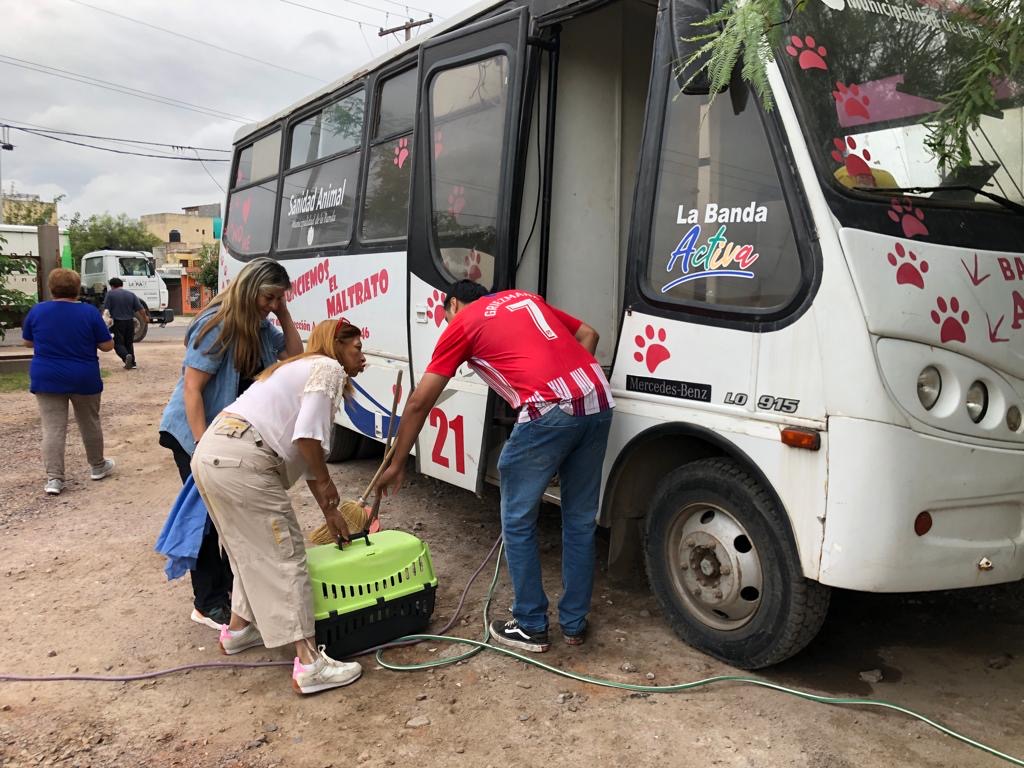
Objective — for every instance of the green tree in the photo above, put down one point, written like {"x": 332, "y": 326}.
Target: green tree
{"x": 208, "y": 265}
{"x": 13, "y": 303}
{"x": 745, "y": 32}
{"x": 107, "y": 232}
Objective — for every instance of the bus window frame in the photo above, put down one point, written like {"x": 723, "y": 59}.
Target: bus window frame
{"x": 250, "y": 140}
{"x": 286, "y": 149}
{"x": 507, "y": 160}
{"x": 378, "y": 79}
{"x": 754, "y": 320}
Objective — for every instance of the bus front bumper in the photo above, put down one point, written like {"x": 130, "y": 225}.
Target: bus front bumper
{"x": 881, "y": 477}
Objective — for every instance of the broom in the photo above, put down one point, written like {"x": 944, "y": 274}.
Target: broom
{"x": 355, "y": 514}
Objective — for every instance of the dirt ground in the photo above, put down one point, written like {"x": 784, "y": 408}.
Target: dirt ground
{"x": 81, "y": 590}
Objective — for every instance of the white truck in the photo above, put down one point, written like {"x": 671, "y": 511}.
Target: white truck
{"x": 138, "y": 271}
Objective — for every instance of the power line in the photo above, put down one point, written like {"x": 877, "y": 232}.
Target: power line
{"x": 111, "y": 138}
{"x": 41, "y": 134}
{"x": 212, "y": 178}
{"x": 123, "y": 89}
{"x": 197, "y": 40}
{"x": 408, "y": 8}
{"x": 329, "y": 13}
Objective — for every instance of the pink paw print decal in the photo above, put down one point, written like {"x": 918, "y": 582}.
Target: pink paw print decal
{"x": 456, "y": 201}
{"x": 473, "y": 271}
{"x": 908, "y": 216}
{"x": 402, "y": 152}
{"x": 951, "y": 320}
{"x": 856, "y": 165}
{"x": 808, "y": 54}
{"x": 908, "y": 270}
{"x": 438, "y": 143}
{"x": 246, "y": 207}
{"x": 851, "y": 101}
{"x": 653, "y": 354}
{"x": 435, "y": 307}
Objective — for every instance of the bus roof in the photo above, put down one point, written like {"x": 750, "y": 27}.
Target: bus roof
{"x": 458, "y": 20}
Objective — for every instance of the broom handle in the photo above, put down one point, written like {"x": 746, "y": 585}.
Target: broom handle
{"x": 391, "y": 435}
{"x": 377, "y": 474}
{"x": 390, "y": 448}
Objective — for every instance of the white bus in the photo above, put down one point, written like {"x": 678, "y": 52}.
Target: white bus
{"x": 819, "y": 371}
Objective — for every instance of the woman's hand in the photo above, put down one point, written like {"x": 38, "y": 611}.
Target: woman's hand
{"x": 336, "y": 524}
{"x": 325, "y": 493}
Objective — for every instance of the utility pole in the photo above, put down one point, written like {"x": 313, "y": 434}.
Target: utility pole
{"x": 410, "y": 25}
{"x": 5, "y": 144}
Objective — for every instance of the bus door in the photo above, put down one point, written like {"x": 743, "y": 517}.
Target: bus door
{"x": 461, "y": 212}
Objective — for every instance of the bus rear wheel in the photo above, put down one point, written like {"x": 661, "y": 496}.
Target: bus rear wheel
{"x": 345, "y": 444}
{"x": 722, "y": 563}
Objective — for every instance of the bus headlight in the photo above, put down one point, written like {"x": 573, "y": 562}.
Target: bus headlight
{"x": 977, "y": 401}
{"x": 929, "y": 385}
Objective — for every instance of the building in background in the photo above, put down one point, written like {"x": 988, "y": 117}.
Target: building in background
{"x": 28, "y": 210}
{"x": 183, "y": 234}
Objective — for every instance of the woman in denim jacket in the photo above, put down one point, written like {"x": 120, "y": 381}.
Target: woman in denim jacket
{"x": 226, "y": 346}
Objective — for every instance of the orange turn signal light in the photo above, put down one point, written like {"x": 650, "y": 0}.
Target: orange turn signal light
{"x": 808, "y": 439}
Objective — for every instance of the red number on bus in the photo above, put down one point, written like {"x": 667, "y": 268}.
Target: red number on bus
{"x": 439, "y": 420}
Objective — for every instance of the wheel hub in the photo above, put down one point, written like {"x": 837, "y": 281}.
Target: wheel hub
{"x": 716, "y": 567}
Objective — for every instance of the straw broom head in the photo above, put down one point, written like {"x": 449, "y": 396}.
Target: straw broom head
{"x": 355, "y": 516}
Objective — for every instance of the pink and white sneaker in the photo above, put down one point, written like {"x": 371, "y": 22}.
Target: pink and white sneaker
{"x": 232, "y": 642}
{"x": 324, "y": 673}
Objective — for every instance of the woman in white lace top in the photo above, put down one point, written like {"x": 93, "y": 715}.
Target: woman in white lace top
{"x": 256, "y": 449}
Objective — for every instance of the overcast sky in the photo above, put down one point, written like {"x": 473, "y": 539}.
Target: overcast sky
{"x": 66, "y": 34}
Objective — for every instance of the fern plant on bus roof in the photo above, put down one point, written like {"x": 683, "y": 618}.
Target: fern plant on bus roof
{"x": 743, "y": 29}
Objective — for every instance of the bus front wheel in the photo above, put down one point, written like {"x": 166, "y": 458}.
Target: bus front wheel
{"x": 722, "y": 563}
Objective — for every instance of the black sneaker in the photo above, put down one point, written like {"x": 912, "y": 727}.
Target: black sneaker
{"x": 511, "y": 634}
{"x": 129, "y": 361}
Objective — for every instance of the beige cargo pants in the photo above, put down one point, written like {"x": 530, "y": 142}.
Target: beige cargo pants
{"x": 242, "y": 482}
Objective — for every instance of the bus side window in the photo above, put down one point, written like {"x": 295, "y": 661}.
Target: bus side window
{"x": 250, "y": 219}
{"x": 386, "y": 202}
{"x": 318, "y": 201}
{"x": 722, "y": 231}
{"x": 468, "y": 105}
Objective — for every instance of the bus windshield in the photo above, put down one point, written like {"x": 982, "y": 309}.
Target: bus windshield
{"x": 867, "y": 76}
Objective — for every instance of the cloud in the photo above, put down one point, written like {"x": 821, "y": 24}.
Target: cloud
{"x": 66, "y": 35}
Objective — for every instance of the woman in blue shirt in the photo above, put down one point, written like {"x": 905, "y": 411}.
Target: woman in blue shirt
{"x": 64, "y": 335}
{"x": 226, "y": 346}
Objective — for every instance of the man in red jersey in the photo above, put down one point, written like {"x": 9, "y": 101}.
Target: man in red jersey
{"x": 541, "y": 361}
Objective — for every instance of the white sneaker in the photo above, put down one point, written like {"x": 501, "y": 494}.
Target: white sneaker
{"x": 324, "y": 673}
{"x": 107, "y": 468}
{"x": 210, "y": 621}
{"x": 235, "y": 642}
{"x": 54, "y": 486}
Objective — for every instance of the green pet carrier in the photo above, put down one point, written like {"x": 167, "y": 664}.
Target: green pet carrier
{"x": 376, "y": 589}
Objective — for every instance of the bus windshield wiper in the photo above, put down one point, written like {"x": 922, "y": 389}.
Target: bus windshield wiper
{"x": 1003, "y": 201}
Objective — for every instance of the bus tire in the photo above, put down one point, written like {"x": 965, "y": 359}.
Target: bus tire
{"x": 344, "y": 444}
{"x": 722, "y": 564}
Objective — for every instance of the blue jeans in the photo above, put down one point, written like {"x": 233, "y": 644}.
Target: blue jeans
{"x": 572, "y": 446}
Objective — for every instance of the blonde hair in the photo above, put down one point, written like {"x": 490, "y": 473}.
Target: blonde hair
{"x": 322, "y": 342}
{"x": 235, "y": 312}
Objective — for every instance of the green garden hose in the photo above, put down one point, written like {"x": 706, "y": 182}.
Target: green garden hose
{"x": 481, "y": 645}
